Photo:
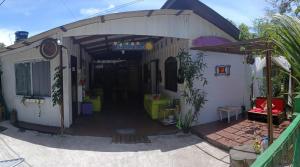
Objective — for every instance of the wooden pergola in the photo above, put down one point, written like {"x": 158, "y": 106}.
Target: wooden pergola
{"x": 258, "y": 46}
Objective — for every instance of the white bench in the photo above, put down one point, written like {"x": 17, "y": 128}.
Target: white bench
{"x": 229, "y": 110}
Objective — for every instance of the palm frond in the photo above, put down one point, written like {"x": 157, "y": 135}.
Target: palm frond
{"x": 287, "y": 40}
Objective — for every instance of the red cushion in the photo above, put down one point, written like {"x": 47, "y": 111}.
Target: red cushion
{"x": 274, "y": 111}
{"x": 278, "y": 103}
{"x": 258, "y": 110}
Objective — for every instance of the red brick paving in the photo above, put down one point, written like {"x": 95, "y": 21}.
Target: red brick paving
{"x": 226, "y": 135}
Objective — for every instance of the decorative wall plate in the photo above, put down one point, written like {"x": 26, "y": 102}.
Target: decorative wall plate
{"x": 49, "y": 48}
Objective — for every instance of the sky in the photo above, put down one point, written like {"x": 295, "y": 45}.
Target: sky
{"x": 36, "y": 16}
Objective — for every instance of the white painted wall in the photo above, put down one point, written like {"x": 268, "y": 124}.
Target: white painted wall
{"x": 170, "y": 47}
{"x": 186, "y": 26}
{"x": 29, "y": 113}
{"x": 72, "y": 49}
{"x": 163, "y": 23}
{"x": 50, "y": 115}
{"x": 233, "y": 90}
{"x": 221, "y": 91}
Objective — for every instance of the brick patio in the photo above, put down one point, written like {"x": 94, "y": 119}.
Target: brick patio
{"x": 226, "y": 135}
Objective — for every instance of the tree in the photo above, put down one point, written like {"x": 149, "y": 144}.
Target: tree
{"x": 291, "y": 7}
{"x": 245, "y": 32}
{"x": 263, "y": 27}
{"x": 287, "y": 41}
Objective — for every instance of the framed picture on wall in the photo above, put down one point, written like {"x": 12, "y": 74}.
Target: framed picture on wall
{"x": 222, "y": 70}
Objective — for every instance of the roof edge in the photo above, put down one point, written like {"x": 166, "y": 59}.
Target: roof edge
{"x": 205, "y": 12}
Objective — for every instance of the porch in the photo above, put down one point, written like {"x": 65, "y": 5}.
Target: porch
{"x": 239, "y": 132}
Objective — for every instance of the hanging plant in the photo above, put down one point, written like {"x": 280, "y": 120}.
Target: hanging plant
{"x": 192, "y": 69}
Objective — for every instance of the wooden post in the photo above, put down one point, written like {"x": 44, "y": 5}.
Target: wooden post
{"x": 269, "y": 95}
{"x": 62, "y": 114}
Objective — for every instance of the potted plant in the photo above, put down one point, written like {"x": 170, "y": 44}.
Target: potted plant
{"x": 191, "y": 69}
{"x": 185, "y": 121}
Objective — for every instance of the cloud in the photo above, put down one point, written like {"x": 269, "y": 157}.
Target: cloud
{"x": 7, "y": 36}
{"x": 94, "y": 11}
{"x": 111, "y": 6}
{"x": 89, "y": 11}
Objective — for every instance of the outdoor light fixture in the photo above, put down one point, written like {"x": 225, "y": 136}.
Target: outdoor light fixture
{"x": 123, "y": 51}
{"x": 59, "y": 42}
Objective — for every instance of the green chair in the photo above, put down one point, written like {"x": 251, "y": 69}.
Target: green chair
{"x": 152, "y": 106}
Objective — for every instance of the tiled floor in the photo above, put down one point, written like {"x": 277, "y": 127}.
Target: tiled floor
{"x": 113, "y": 118}
{"x": 226, "y": 135}
{"x": 107, "y": 125}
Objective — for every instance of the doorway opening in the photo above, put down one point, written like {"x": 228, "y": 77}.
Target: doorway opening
{"x": 113, "y": 87}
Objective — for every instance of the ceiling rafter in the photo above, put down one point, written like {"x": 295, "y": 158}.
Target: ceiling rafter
{"x": 90, "y": 38}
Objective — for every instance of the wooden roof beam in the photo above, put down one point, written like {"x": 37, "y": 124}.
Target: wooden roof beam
{"x": 26, "y": 43}
{"x": 98, "y": 48}
{"x": 91, "y": 38}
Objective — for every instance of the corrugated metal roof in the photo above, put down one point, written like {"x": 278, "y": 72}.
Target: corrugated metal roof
{"x": 92, "y": 20}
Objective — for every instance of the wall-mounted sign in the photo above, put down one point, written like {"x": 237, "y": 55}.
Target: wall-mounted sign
{"x": 222, "y": 70}
{"x": 49, "y": 48}
{"x": 132, "y": 46}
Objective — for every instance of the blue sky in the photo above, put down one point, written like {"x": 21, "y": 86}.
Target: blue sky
{"x": 37, "y": 16}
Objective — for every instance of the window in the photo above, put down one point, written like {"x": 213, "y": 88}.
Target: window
{"x": 33, "y": 79}
{"x": 23, "y": 79}
{"x": 171, "y": 74}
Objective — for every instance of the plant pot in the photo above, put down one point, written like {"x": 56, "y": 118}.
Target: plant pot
{"x": 186, "y": 130}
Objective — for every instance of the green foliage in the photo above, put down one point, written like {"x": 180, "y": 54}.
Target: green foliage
{"x": 185, "y": 120}
{"x": 280, "y": 81}
{"x": 287, "y": 41}
{"x": 193, "y": 69}
{"x": 264, "y": 28}
{"x": 291, "y": 7}
{"x": 245, "y": 32}
{"x": 57, "y": 90}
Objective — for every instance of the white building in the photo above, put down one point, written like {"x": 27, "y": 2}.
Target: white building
{"x": 85, "y": 42}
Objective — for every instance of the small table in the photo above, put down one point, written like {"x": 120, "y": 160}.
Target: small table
{"x": 165, "y": 121}
{"x": 242, "y": 156}
{"x": 229, "y": 110}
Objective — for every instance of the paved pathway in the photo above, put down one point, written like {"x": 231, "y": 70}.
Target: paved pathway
{"x": 164, "y": 151}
